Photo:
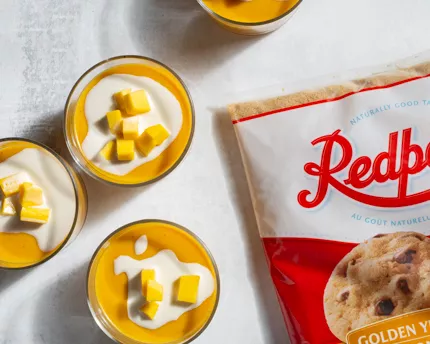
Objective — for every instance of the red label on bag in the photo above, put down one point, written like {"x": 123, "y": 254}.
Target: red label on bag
{"x": 364, "y": 171}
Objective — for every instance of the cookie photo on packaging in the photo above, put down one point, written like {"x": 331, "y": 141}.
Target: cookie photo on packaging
{"x": 339, "y": 176}
{"x": 382, "y": 277}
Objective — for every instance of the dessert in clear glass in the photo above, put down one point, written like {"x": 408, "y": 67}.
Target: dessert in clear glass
{"x": 250, "y": 17}
{"x": 43, "y": 203}
{"x": 153, "y": 281}
{"x": 129, "y": 121}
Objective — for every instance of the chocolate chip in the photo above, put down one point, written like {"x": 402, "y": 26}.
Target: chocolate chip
{"x": 342, "y": 270}
{"x": 380, "y": 235}
{"x": 384, "y": 307}
{"x": 402, "y": 284}
{"x": 343, "y": 296}
{"x": 405, "y": 257}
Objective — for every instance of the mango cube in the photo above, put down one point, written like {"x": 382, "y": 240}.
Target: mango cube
{"x": 145, "y": 144}
{"x": 125, "y": 150}
{"x": 30, "y": 195}
{"x": 10, "y": 185}
{"x": 145, "y": 276}
{"x": 154, "y": 291}
{"x": 119, "y": 98}
{"x": 136, "y": 102}
{"x": 114, "y": 119}
{"x": 188, "y": 288}
{"x": 130, "y": 128}
{"x": 107, "y": 150}
{"x": 7, "y": 207}
{"x": 151, "y": 137}
{"x": 150, "y": 309}
{"x": 158, "y": 133}
{"x": 36, "y": 215}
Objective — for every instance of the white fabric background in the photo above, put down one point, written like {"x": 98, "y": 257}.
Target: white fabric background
{"x": 45, "y": 45}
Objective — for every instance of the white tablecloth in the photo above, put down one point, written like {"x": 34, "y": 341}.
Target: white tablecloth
{"x": 45, "y": 45}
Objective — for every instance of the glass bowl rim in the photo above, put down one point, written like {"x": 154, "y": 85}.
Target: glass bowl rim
{"x": 178, "y": 226}
{"x": 235, "y": 22}
{"x": 177, "y": 162}
{"x": 75, "y": 189}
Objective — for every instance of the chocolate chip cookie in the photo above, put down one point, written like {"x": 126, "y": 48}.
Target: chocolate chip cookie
{"x": 385, "y": 276}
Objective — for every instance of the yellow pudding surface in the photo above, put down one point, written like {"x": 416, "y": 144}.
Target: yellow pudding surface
{"x": 254, "y": 11}
{"x": 19, "y": 249}
{"x": 170, "y": 156}
{"x": 111, "y": 290}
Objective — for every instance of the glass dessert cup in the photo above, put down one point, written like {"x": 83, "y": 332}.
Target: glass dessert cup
{"x": 110, "y": 285}
{"x": 23, "y": 244}
{"x": 253, "y": 26}
{"x": 78, "y": 129}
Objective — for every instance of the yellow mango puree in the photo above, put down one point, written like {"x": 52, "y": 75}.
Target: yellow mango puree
{"x": 165, "y": 161}
{"x": 18, "y": 249}
{"x": 111, "y": 290}
{"x": 253, "y": 11}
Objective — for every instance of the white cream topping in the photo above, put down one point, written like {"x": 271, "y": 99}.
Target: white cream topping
{"x": 141, "y": 245}
{"x": 168, "y": 269}
{"x": 42, "y": 169}
{"x": 165, "y": 110}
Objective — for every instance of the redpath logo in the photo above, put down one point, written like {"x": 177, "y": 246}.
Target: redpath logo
{"x": 364, "y": 171}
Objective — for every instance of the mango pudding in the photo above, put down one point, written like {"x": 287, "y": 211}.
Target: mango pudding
{"x": 152, "y": 282}
{"x": 129, "y": 121}
{"x": 250, "y": 17}
{"x": 43, "y": 203}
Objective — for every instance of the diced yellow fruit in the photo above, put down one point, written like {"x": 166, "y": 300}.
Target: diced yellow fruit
{"x": 151, "y": 137}
{"x": 30, "y": 195}
{"x": 125, "y": 150}
{"x": 10, "y": 185}
{"x": 119, "y": 98}
{"x": 25, "y": 185}
{"x": 7, "y": 207}
{"x": 150, "y": 309}
{"x": 114, "y": 119}
{"x": 188, "y": 288}
{"x": 136, "y": 102}
{"x": 130, "y": 128}
{"x": 154, "y": 291}
{"x": 37, "y": 215}
{"x": 107, "y": 150}
{"x": 158, "y": 133}
{"x": 145, "y": 276}
{"x": 145, "y": 144}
